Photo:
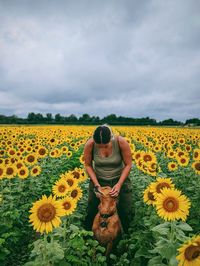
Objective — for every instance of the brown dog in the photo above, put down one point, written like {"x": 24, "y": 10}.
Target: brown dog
{"x": 106, "y": 226}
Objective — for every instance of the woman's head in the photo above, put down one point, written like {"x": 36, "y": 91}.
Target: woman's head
{"x": 102, "y": 134}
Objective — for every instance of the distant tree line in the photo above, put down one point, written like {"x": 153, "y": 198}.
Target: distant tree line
{"x": 86, "y": 119}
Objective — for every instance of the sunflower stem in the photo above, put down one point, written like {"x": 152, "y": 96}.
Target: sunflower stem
{"x": 52, "y": 239}
{"x": 45, "y": 249}
{"x": 65, "y": 229}
{"x": 172, "y": 231}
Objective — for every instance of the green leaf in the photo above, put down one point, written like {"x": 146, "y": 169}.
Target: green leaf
{"x": 74, "y": 228}
{"x": 185, "y": 227}
{"x": 162, "y": 229}
{"x": 168, "y": 250}
{"x": 173, "y": 261}
{"x": 154, "y": 261}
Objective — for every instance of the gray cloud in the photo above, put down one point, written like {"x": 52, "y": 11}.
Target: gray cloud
{"x": 132, "y": 58}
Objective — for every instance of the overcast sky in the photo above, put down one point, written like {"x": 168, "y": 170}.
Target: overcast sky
{"x": 132, "y": 58}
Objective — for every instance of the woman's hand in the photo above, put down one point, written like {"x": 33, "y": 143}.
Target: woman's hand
{"x": 115, "y": 190}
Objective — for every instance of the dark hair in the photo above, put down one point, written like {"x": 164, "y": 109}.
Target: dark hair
{"x": 102, "y": 135}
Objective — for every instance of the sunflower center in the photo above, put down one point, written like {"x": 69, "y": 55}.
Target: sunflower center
{"x": 151, "y": 196}
{"x": 61, "y": 188}
{"x": 46, "y": 212}
{"x": 12, "y": 152}
{"x": 31, "y": 158}
{"x": 9, "y": 171}
{"x": 195, "y": 154}
{"x": 66, "y": 205}
{"x": 76, "y": 174}
{"x": 70, "y": 182}
{"x": 22, "y": 171}
{"x": 19, "y": 165}
{"x": 170, "y": 204}
{"x": 1, "y": 171}
{"x": 42, "y": 151}
{"x": 137, "y": 156}
{"x": 147, "y": 158}
{"x": 74, "y": 193}
{"x": 197, "y": 166}
{"x": 35, "y": 170}
{"x": 183, "y": 160}
{"x": 161, "y": 186}
{"x": 192, "y": 252}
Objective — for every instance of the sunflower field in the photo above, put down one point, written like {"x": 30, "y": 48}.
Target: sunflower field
{"x": 44, "y": 193}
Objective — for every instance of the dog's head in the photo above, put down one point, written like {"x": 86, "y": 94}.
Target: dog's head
{"x": 102, "y": 191}
{"x": 107, "y": 203}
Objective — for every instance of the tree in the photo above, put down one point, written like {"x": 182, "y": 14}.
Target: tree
{"x": 49, "y": 117}
{"x": 85, "y": 118}
{"x": 59, "y": 118}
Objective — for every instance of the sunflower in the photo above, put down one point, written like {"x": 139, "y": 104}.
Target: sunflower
{"x": 71, "y": 181}
{"x": 60, "y": 188}
{"x": 157, "y": 148}
{"x": 2, "y": 171}
{"x": 45, "y": 214}
{"x": 76, "y": 148}
{"x": 148, "y": 196}
{"x": 181, "y": 153}
{"x": 196, "y": 154}
{"x": 149, "y": 157}
{"x": 76, "y": 193}
{"x": 72, "y": 145}
{"x": 64, "y": 149}
{"x": 35, "y": 171}
{"x": 152, "y": 168}
{"x": 188, "y": 147}
{"x": 69, "y": 154}
{"x": 2, "y": 152}
{"x": 11, "y": 152}
{"x": 10, "y": 171}
{"x": 31, "y": 159}
{"x": 29, "y": 149}
{"x": 53, "y": 153}
{"x": 171, "y": 154}
{"x": 189, "y": 253}
{"x": 52, "y": 142}
{"x": 2, "y": 162}
{"x": 196, "y": 167}
{"x": 23, "y": 172}
{"x": 78, "y": 174}
{"x": 181, "y": 141}
{"x": 172, "y": 205}
{"x": 183, "y": 161}
{"x": 42, "y": 152}
{"x": 161, "y": 183}
{"x": 172, "y": 166}
{"x": 19, "y": 164}
{"x": 68, "y": 204}
{"x": 81, "y": 159}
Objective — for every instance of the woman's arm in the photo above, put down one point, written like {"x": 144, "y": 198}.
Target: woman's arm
{"x": 88, "y": 161}
{"x": 127, "y": 158}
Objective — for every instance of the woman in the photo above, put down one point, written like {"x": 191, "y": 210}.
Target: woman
{"x": 108, "y": 162}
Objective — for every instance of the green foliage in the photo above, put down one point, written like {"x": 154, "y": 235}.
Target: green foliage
{"x": 68, "y": 246}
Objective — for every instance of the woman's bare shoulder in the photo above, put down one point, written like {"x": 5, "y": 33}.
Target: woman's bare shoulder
{"x": 89, "y": 143}
{"x": 122, "y": 141}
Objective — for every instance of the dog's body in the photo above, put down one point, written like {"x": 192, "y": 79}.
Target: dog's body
{"x": 106, "y": 226}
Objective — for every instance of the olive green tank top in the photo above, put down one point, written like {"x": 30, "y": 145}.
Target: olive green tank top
{"x": 108, "y": 168}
